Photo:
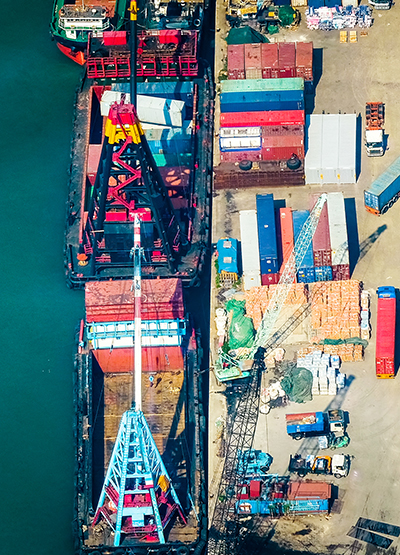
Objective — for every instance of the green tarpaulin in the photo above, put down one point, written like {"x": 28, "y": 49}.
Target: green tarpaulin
{"x": 241, "y": 330}
{"x": 297, "y": 384}
{"x": 245, "y": 35}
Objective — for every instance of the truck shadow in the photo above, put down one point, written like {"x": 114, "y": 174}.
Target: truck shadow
{"x": 359, "y": 142}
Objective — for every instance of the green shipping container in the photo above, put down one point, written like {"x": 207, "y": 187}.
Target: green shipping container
{"x": 172, "y": 160}
{"x": 254, "y": 85}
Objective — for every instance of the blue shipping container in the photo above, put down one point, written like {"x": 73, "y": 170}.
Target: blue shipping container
{"x": 280, "y": 106}
{"x": 266, "y": 228}
{"x": 261, "y": 96}
{"x": 309, "y": 506}
{"x": 299, "y": 219}
{"x": 170, "y": 147}
{"x": 227, "y": 255}
{"x": 306, "y": 275}
{"x": 323, "y": 273}
{"x": 269, "y": 265}
{"x": 384, "y": 189}
{"x": 179, "y": 90}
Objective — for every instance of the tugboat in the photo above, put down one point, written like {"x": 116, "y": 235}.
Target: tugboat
{"x": 72, "y": 23}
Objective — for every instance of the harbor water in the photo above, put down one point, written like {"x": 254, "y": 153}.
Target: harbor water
{"x": 38, "y": 313}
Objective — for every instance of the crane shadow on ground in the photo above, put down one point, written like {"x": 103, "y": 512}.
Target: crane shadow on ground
{"x": 366, "y": 245}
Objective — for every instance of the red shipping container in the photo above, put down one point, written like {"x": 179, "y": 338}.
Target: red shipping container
{"x": 269, "y": 60}
{"x": 286, "y": 233}
{"x": 255, "y": 119}
{"x": 154, "y": 359}
{"x": 321, "y": 239}
{"x": 92, "y": 163}
{"x": 282, "y": 153}
{"x": 239, "y": 155}
{"x": 340, "y": 272}
{"x": 272, "y": 141}
{"x": 111, "y": 38}
{"x": 280, "y": 130}
{"x": 287, "y": 59}
{"x": 309, "y": 490}
{"x": 255, "y": 489}
{"x": 252, "y": 61}
{"x": 304, "y": 60}
{"x": 236, "y": 61}
{"x": 385, "y": 337}
{"x": 269, "y": 279}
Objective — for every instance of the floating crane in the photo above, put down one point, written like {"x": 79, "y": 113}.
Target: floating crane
{"x": 137, "y": 489}
{"x": 224, "y": 531}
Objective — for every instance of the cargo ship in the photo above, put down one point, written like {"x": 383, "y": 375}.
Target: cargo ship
{"x": 73, "y": 22}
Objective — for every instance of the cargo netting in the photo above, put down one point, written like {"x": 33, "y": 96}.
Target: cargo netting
{"x": 241, "y": 329}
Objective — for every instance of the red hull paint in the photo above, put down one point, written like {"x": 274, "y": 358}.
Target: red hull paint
{"x": 154, "y": 359}
{"x": 77, "y": 57}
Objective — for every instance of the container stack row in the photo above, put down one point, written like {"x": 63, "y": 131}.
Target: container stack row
{"x": 262, "y": 119}
{"x": 271, "y": 60}
{"x": 269, "y": 236}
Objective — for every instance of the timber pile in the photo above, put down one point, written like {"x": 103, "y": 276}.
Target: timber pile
{"x": 347, "y": 352}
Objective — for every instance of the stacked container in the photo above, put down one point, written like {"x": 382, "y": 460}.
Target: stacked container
{"x": 286, "y": 234}
{"x": 249, "y": 247}
{"x": 281, "y": 142}
{"x": 287, "y": 59}
{"x": 251, "y": 119}
{"x": 304, "y": 60}
{"x": 269, "y": 60}
{"x": 236, "y": 68}
{"x": 322, "y": 246}
{"x": 267, "y": 239}
{"x": 305, "y": 273}
{"x": 252, "y": 61}
{"x": 338, "y": 236}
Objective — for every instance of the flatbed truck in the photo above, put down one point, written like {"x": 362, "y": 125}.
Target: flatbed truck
{"x": 338, "y": 465}
{"x": 374, "y": 122}
{"x": 306, "y": 424}
{"x": 385, "y": 332}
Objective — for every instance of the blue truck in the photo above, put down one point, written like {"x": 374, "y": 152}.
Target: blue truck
{"x": 330, "y": 424}
{"x": 384, "y": 191}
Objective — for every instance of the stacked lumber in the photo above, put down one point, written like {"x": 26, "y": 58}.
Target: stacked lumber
{"x": 346, "y": 352}
{"x": 335, "y": 310}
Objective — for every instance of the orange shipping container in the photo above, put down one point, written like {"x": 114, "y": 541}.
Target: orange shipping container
{"x": 286, "y": 232}
{"x": 154, "y": 359}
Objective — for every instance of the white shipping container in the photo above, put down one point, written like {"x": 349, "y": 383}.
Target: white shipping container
{"x": 240, "y": 132}
{"x": 151, "y": 109}
{"x": 347, "y": 148}
{"x": 353, "y": 3}
{"x": 249, "y": 247}
{"x": 330, "y": 148}
{"x": 156, "y": 132}
{"x": 312, "y": 164}
{"x": 239, "y": 143}
{"x": 338, "y": 229}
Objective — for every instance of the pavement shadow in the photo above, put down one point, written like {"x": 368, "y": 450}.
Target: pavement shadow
{"x": 366, "y": 245}
{"x": 359, "y": 142}
{"x": 352, "y": 231}
{"x": 309, "y": 89}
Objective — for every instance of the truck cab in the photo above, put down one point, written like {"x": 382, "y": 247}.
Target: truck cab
{"x": 340, "y": 465}
{"x": 336, "y": 422}
{"x": 374, "y": 121}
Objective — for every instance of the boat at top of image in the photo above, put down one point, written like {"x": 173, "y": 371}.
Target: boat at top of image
{"x": 72, "y": 23}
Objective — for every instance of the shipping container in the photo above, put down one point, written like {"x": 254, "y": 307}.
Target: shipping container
{"x": 154, "y": 359}
{"x": 286, "y": 234}
{"x": 248, "y": 85}
{"x": 308, "y": 506}
{"x": 321, "y": 238}
{"x": 171, "y": 146}
{"x": 306, "y": 275}
{"x": 299, "y": 219}
{"x": 309, "y": 490}
{"x": 330, "y": 148}
{"x": 252, "y": 97}
{"x": 155, "y": 132}
{"x": 227, "y": 255}
{"x": 227, "y": 144}
{"x": 179, "y": 90}
{"x": 316, "y": 3}
{"x": 249, "y": 248}
{"x": 385, "y": 332}
{"x": 340, "y": 272}
{"x": 252, "y": 61}
{"x": 240, "y": 132}
{"x": 347, "y": 148}
{"x": 266, "y": 118}
{"x": 281, "y": 130}
{"x": 338, "y": 229}
{"x": 282, "y": 153}
{"x": 268, "y": 265}
{"x": 287, "y": 59}
{"x": 304, "y": 60}
{"x": 261, "y": 105}
{"x": 312, "y": 163}
{"x": 384, "y": 191}
{"x": 266, "y": 228}
{"x": 172, "y": 160}
{"x": 269, "y": 279}
{"x": 236, "y": 61}
{"x": 323, "y": 273}
{"x": 239, "y": 155}
{"x": 269, "y": 60}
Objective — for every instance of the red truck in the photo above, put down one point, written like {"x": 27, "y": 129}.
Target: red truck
{"x": 385, "y": 332}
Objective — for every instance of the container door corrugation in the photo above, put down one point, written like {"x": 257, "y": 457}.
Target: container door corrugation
{"x": 239, "y": 155}
{"x": 306, "y": 275}
{"x": 341, "y": 272}
{"x": 299, "y": 219}
{"x": 337, "y": 229}
{"x": 269, "y": 279}
{"x": 240, "y": 132}
{"x": 287, "y": 59}
{"x": 250, "y": 119}
{"x": 323, "y": 273}
{"x": 236, "y": 61}
{"x": 282, "y": 153}
{"x": 249, "y": 242}
{"x": 266, "y": 227}
{"x": 321, "y": 239}
{"x": 269, "y": 60}
{"x": 248, "y": 85}
{"x": 304, "y": 60}
{"x": 269, "y": 265}
{"x": 252, "y": 61}
{"x": 286, "y": 233}
{"x": 251, "y": 279}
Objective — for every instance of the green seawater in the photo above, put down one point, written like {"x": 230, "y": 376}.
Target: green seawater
{"x": 38, "y": 313}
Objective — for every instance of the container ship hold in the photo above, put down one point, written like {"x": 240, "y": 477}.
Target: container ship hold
{"x": 150, "y": 162}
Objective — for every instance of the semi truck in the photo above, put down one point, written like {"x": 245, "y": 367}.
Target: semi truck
{"x": 330, "y": 424}
{"x": 384, "y": 191}
{"x": 338, "y": 465}
{"x": 374, "y": 122}
{"x": 385, "y": 332}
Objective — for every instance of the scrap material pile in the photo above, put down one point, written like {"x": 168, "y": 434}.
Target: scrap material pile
{"x": 339, "y": 17}
{"x": 347, "y": 352}
{"x": 327, "y": 378}
{"x": 335, "y": 310}
{"x": 257, "y": 300}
